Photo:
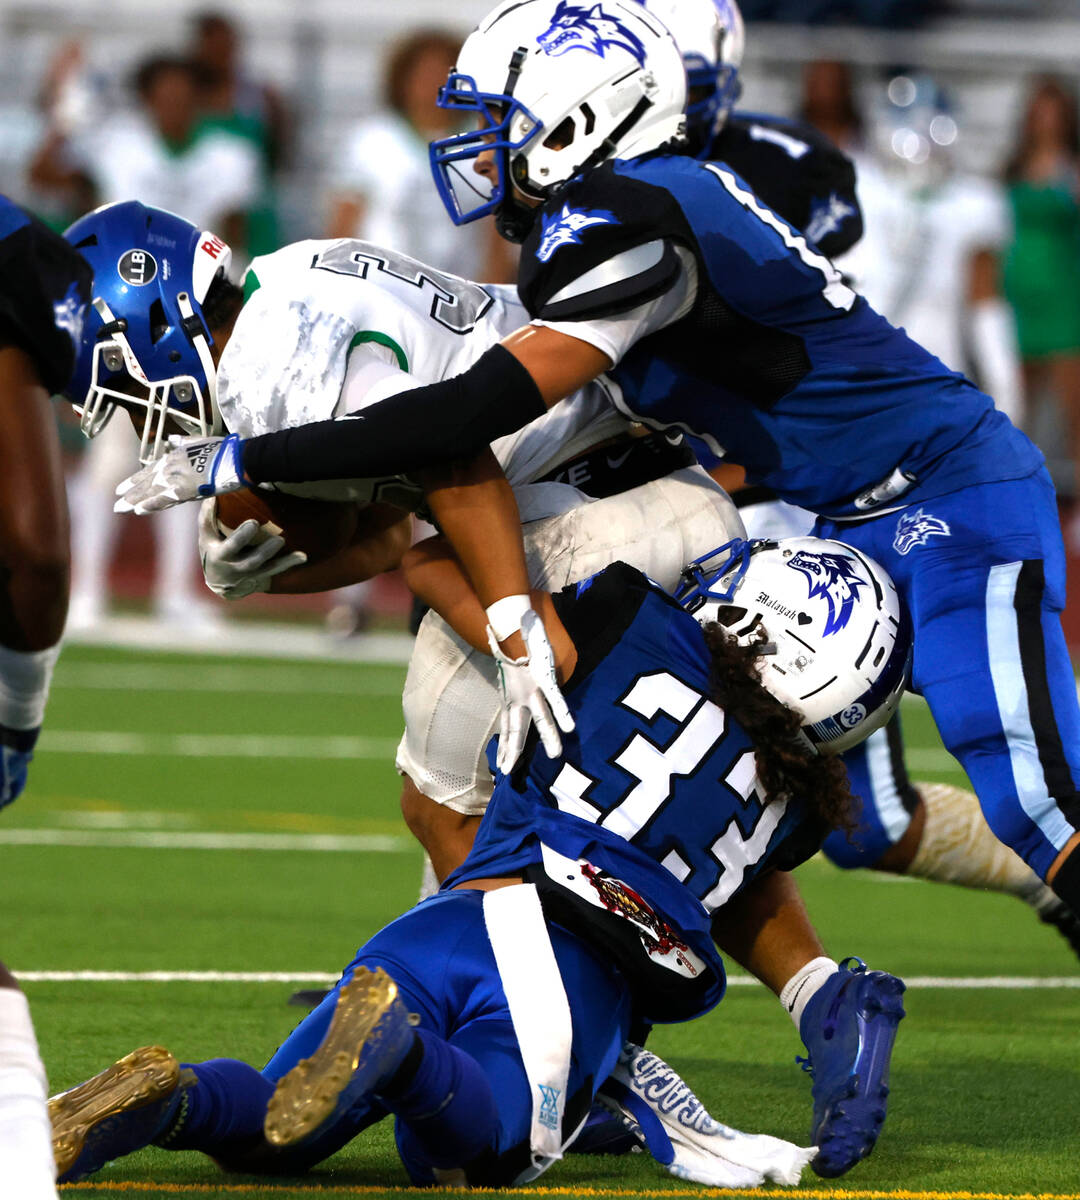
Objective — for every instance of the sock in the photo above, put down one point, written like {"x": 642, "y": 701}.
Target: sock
{"x": 803, "y": 984}
{"x": 445, "y": 1100}
{"x": 227, "y": 1104}
{"x": 26, "y": 1160}
{"x": 958, "y": 846}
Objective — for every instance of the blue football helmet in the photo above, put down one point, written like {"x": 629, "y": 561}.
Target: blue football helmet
{"x": 145, "y": 344}
{"x": 835, "y": 638}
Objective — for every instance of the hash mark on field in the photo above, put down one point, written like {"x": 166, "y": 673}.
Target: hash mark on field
{"x": 323, "y": 843}
{"x": 224, "y": 745}
{"x": 1003, "y": 982}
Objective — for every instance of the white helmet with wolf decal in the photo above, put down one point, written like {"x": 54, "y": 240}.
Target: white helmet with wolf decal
{"x": 555, "y": 87}
{"x": 838, "y": 638}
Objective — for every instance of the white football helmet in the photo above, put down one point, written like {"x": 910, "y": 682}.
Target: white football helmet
{"x": 712, "y": 38}
{"x": 838, "y": 639}
{"x": 554, "y": 88}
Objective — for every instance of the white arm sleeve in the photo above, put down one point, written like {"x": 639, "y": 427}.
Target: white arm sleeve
{"x": 995, "y": 355}
{"x": 615, "y": 335}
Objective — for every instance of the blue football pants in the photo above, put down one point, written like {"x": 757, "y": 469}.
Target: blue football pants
{"x": 990, "y": 658}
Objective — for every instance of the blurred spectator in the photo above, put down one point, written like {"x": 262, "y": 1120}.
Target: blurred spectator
{"x": 1042, "y": 270}
{"x": 383, "y": 190}
{"x": 158, "y": 154}
{"x": 828, "y": 103}
{"x": 161, "y": 155}
{"x": 930, "y": 258}
{"x": 234, "y": 102}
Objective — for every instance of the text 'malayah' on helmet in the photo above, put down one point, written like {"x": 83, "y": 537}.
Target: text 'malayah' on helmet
{"x": 711, "y": 36}
{"x": 553, "y": 88}
{"x": 145, "y": 343}
{"x": 838, "y": 637}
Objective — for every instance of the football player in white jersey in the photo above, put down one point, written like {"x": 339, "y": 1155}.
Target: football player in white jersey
{"x": 325, "y": 328}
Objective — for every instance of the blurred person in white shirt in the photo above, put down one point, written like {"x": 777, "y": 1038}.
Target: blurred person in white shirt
{"x": 158, "y": 153}
{"x": 383, "y": 192}
{"x": 930, "y": 257}
{"x": 382, "y": 187}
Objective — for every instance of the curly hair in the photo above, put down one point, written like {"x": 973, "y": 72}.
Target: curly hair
{"x": 787, "y": 767}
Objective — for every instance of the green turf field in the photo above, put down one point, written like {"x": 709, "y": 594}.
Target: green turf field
{"x": 225, "y": 816}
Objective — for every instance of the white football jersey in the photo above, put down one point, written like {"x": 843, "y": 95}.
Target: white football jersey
{"x": 913, "y": 263}
{"x": 313, "y": 304}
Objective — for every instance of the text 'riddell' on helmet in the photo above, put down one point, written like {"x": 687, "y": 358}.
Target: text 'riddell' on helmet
{"x": 146, "y": 345}
{"x": 551, "y": 88}
{"x": 836, "y": 637}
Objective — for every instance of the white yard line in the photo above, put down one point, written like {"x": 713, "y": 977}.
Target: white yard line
{"x": 224, "y": 745}
{"x": 316, "y": 680}
{"x": 323, "y": 843}
{"x": 257, "y": 639}
{"x": 948, "y": 982}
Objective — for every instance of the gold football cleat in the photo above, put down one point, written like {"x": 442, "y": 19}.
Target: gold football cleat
{"x": 120, "y": 1110}
{"x": 369, "y": 1035}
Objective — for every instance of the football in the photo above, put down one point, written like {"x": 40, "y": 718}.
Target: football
{"x": 321, "y": 528}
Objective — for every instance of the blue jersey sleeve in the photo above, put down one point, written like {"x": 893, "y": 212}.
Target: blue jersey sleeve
{"x": 44, "y": 290}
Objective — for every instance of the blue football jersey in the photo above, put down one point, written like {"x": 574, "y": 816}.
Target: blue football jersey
{"x": 779, "y": 365}
{"x": 798, "y": 172}
{"x": 44, "y": 290}
{"x": 657, "y": 785}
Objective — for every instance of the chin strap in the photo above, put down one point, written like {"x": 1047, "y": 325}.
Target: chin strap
{"x": 197, "y": 333}
{"x": 609, "y": 145}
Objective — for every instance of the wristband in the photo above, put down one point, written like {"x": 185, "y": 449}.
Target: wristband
{"x": 226, "y": 468}
{"x": 504, "y": 616}
{"x": 24, "y": 685}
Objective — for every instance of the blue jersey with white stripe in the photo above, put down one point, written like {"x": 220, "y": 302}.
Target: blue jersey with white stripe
{"x": 779, "y": 365}
{"x": 657, "y": 785}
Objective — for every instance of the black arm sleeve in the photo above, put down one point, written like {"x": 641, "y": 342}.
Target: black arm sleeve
{"x": 420, "y": 428}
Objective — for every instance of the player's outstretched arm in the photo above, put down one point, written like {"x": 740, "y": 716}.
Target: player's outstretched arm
{"x": 507, "y": 387}
{"x": 529, "y": 682}
{"x": 34, "y": 553}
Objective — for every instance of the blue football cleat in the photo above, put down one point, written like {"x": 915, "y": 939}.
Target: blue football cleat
{"x": 848, "y": 1028}
{"x": 128, "y": 1106}
{"x": 607, "y": 1132}
{"x": 368, "y": 1038}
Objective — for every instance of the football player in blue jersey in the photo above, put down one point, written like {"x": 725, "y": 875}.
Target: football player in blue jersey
{"x": 714, "y": 315}
{"x": 44, "y": 289}
{"x": 485, "y": 1018}
{"x": 931, "y": 830}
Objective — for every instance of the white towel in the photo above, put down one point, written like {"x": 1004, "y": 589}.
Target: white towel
{"x": 691, "y": 1144}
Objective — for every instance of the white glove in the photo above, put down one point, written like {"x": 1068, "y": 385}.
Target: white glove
{"x": 192, "y": 469}
{"x": 530, "y": 692}
{"x": 679, "y": 1133}
{"x": 239, "y": 564}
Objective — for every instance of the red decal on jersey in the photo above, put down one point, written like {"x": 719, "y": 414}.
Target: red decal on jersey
{"x": 213, "y": 246}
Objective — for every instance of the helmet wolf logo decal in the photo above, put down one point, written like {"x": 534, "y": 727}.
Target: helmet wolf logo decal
{"x": 834, "y": 577}
{"x": 575, "y": 27}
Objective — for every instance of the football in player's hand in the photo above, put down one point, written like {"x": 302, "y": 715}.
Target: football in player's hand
{"x": 321, "y": 528}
